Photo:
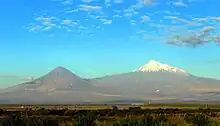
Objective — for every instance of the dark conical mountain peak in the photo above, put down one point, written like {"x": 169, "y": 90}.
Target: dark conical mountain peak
{"x": 61, "y": 70}
{"x": 60, "y": 67}
{"x": 60, "y": 78}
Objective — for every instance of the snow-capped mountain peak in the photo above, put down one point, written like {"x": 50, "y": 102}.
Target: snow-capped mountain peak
{"x": 154, "y": 66}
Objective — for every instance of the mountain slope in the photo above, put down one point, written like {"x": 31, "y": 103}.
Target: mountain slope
{"x": 156, "y": 85}
{"x": 58, "y": 86}
{"x": 158, "y": 81}
{"x": 61, "y": 79}
{"x": 58, "y": 79}
{"x": 153, "y": 81}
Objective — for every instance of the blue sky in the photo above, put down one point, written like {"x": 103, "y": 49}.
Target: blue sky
{"x": 93, "y": 38}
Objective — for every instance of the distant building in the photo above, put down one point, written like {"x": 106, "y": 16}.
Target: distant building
{"x": 137, "y": 104}
{"x": 115, "y": 107}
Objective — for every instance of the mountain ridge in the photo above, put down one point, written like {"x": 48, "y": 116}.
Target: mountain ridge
{"x": 62, "y": 86}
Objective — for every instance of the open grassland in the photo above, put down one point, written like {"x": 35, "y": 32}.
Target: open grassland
{"x": 189, "y": 105}
{"x": 178, "y": 114}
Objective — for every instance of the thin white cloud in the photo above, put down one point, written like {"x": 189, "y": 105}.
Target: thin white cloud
{"x": 48, "y": 24}
{"x": 116, "y": 16}
{"x": 108, "y": 3}
{"x": 174, "y": 18}
{"x": 87, "y": 1}
{"x": 90, "y": 8}
{"x": 67, "y": 22}
{"x": 182, "y": 24}
{"x": 72, "y": 11}
{"x": 145, "y": 18}
{"x": 144, "y": 3}
{"x": 141, "y": 31}
{"x": 69, "y": 25}
{"x": 193, "y": 38}
{"x": 200, "y": 19}
{"x": 178, "y": 3}
{"x": 192, "y": 1}
{"x": 67, "y": 2}
{"x": 98, "y": 17}
{"x": 216, "y": 39}
{"x": 47, "y": 28}
{"x": 207, "y": 29}
{"x": 216, "y": 19}
{"x": 130, "y": 12}
{"x": 167, "y": 12}
{"x": 133, "y": 22}
{"x": 34, "y": 28}
{"x": 148, "y": 2}
{"x": 44, "y": 23}
{"x": 46, "y": 19}
{"x": 107, "y": 22}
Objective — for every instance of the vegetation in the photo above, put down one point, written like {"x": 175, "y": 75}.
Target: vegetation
{"x": 134, "y": 116}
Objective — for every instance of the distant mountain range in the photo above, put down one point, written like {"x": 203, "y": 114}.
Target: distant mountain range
{"x": 152, "y": 82}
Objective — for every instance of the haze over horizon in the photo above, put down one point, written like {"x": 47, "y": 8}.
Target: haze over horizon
{"x": 93, "y": 38}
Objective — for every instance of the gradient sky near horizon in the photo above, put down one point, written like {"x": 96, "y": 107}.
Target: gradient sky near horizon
{"x": 94, "y": 38}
